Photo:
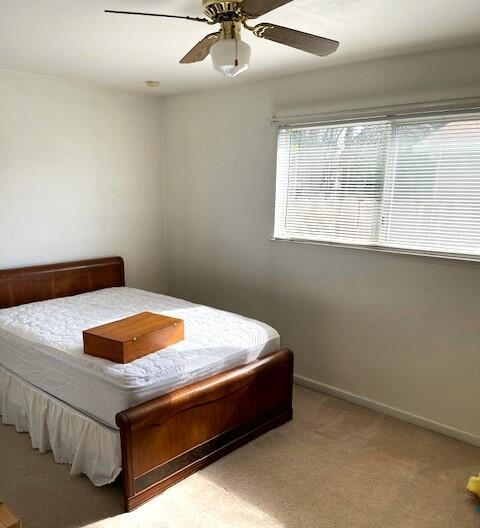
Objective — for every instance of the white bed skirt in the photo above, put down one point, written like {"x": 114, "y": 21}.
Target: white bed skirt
{"x": 88, "y": 446}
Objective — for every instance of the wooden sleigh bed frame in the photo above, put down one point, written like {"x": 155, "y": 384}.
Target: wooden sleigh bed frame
{"x": 170, "y": 437}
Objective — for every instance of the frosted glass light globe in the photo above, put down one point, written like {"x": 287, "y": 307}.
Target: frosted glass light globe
{"x": 230, "y": 57}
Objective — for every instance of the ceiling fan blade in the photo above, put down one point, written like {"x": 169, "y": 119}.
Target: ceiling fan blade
{"x": 256, "y": 8}
{"x": 202, "y": 49}
{"x": 296, "y": 39}
{"x": 194, "y": 19}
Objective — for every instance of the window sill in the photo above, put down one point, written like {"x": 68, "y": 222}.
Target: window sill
{"x": 383, "y": 249}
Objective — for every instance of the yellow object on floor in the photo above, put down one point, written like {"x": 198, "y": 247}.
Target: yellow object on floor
{"x": 473, "y": 485}
{"x": 7, "y": 519}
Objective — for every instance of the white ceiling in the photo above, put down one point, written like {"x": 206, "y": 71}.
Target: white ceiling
{"x": 75, "y": 39}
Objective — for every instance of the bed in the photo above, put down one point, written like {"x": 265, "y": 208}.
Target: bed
{"x": 158, "y": 419}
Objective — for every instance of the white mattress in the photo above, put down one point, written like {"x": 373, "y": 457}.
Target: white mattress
{"x": 42, "y": 343}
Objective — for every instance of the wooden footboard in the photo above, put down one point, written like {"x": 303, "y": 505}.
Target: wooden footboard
{"x": 169, "y": 438}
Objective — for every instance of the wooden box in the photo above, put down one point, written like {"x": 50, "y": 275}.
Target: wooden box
{"x": 7, "y": 519}
{"x": 132, "y": 338}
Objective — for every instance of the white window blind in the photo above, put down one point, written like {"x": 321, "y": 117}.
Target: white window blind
{"x": 403, "y": 183}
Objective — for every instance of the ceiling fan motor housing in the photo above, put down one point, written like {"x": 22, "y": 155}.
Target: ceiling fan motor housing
{"x": 221, "y": 11}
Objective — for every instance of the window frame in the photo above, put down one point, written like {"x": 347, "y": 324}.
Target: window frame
{"x": 414, "y": 111}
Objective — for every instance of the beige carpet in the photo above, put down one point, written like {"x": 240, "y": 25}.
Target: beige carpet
{"x": 336, "y": 465}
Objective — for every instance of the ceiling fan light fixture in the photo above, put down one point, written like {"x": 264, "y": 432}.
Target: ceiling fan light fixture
{"x": 230, "y": 56}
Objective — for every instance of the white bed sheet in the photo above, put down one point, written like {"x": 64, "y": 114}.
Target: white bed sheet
{"x": 42, "y": 344}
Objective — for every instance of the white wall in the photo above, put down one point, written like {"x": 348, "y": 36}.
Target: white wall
{"x": 399, "y": 330}
{"x": 80, "y": 176}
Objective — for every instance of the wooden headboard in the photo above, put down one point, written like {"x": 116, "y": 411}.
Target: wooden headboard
{"x": 39, "y": 283}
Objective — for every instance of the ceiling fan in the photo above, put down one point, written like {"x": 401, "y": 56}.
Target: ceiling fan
{"x": 230, "y": 55}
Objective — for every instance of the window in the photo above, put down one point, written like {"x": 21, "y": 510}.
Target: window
{"x": 407, "y": 184}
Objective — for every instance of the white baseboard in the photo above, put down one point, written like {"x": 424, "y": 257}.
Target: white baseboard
{"x": 432, "y": 425}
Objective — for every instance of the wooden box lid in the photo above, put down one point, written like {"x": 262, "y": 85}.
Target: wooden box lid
{"x": 133, "y": 337}
{"x": 7, "y": 518}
